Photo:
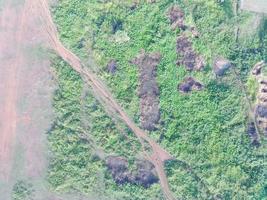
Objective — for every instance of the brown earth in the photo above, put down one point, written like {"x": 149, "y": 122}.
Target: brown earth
{"x": 187, "y": 56}
{"x": 144, "y": 175}
{"x": 176, "y": 17}
{"x": 24, "y": 90}
{"x": 148, "y": 89}
{"x": 189, "y": 84}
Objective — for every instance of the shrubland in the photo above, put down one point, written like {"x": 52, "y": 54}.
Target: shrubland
{"x": 204, "y": 130}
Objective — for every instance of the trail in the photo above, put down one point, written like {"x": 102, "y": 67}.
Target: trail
{"x": 159, "y": 155}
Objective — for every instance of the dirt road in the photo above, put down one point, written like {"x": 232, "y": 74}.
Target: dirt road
{"x": 159, "y": 155}
{"x": 25, "y": 95}
{"x": 8, "y": 90}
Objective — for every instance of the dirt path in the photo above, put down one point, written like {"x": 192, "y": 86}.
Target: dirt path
{"x": 159, "y": 155}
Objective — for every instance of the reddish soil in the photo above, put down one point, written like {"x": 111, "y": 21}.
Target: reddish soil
{"x": 25, "y": 94}
{"x": 8, "y": 92}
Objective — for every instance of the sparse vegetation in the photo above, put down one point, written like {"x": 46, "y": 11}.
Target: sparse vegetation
{"x": 22, "y": 191}
{"x": 206, "y": 129}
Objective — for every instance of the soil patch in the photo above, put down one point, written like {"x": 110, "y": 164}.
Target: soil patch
{"x": 187, "y": 56}
{"x": 189, "y": 84}
{"x": 112, "y": 67}
{"x": 144, "y": 175}
{"x": 253, "y": 134}
{"x": 176, "y": 17}
{"x": 148, "y": 90}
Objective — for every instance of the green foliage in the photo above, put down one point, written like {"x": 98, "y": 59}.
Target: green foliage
{"x": 206, "y": 129}
{"x": 252, "y": 86}
{"x": 81, "y": 133}
{"x": 22, "y": 191}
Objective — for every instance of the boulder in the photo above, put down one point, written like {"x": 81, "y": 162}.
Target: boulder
{"x": 220, "y": 66}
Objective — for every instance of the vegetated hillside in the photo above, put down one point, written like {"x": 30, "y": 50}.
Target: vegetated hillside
{"x": 205, "y": 129}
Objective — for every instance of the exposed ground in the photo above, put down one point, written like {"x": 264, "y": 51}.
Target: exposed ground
{"x": 25, "y": 96}
{"x": 148, "y": 89}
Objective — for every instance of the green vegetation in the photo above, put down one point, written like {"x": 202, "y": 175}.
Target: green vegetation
{"x": 22, "y": 191}
{"x": 206, "y": 129}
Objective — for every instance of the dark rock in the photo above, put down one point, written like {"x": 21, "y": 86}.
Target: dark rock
{"x": 116, "y": 24}
{"x": 263, "y": 82}
{"x": 150, "y": 114}
{"x": 252, "y": 130}
{"x": 144, "y": 175}
{"x": 258, "y": 68}
{"x": 253, "y": 134}
{"x": 118, "y": 166}
{"x": 183, "y": 45}
{"x": 255, "y": 143}
{"x": 133, "y": 6}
